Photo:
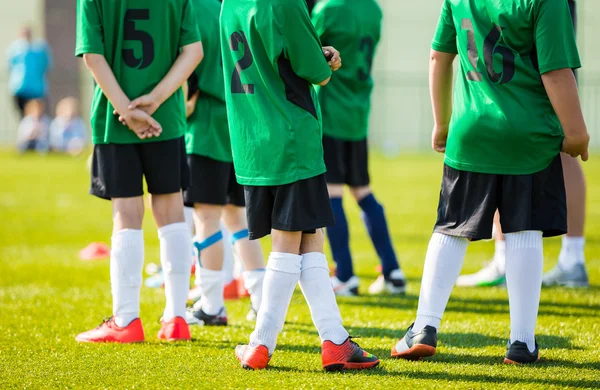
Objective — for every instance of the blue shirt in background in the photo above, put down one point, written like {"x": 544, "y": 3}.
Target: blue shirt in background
{"x": 28, "y": 64}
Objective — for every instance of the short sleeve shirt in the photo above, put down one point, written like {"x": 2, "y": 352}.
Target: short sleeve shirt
{"x": 502, "y": 119}
{"x": 140, "y": 40}
{"x": 272, "y": 56}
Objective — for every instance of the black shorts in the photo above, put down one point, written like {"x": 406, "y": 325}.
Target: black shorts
{"x": 212, "y": 182}
{"x": 347, "y": 162}
{"x": 469, "y": 200}
{"x": 118, "y": 169}
{"x": 302, "y": 206}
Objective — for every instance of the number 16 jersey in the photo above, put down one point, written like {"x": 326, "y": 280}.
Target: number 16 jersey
{"x": 271, "y": 59}
{"x": 502, "y": 119}
{"x": 140, "y": 40}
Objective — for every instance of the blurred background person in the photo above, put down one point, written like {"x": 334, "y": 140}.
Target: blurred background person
{"x": 68, "y": 131}
{"x": 29, "y": 62}
{"x": 33, "y": 129}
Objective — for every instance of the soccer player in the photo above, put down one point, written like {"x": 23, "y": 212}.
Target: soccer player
{"x": 570, "y": 270}
{"x": 144, "y": 49}
{"x": 515, "y": 107}
{"x": 272, "y": 57}
{"x": 353, "y": 27}
{"x": 213, "y": 190}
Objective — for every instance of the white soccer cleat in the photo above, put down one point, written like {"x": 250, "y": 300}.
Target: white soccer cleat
{"x": 345, "y": 289}
{"x": 394, "y": 284}
{"x": 488, "y": 276}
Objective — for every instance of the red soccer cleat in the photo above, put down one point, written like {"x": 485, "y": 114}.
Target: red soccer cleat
{"x": 175, "y": 330}
{"x": 230, "y": 292}
{"x": 253, "y": 358}
{"x": 242, "y": 292}
{"x": 346, "y": 356}
{"x": 109, "y": 332}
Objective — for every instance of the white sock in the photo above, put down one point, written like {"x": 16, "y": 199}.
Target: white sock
{"x": 318, "y": 292}
{"x": 524, "y": 268}
{"x": 443, "y": 262}
{"x": 253, "y": 282}
{"x": 126, "y": 263}
{"x": 188, "y": 215}
{"x": 500, "y": 255}
{"x": 281, "y": 277}
{"x": 228, "y": 261}
{"x": 211, "y": 286}
{"x": 572, "y": 252}
{"x": 175, "y": 249}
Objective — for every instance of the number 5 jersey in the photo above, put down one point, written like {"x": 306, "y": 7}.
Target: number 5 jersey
{"x": 271, "y": 59}
{"x": 353, "y": 27}
{"x": 140, "y": 40}
{"x": 502, "y": 119}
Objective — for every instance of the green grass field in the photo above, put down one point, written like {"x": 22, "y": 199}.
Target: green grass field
{"x": 48, "y": 295}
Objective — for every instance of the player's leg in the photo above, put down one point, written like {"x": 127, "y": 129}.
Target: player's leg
{"x": 570, "y": 270}
{"x": 117, "y": 176}
{"x": 532, "y": 206}
{"x": 344, "y": 282}
{"x": 466, "y": 211}
{"x": 338, "y": 350}
{"x": 493, "y": 274}
{"x": 250, "y": 253}
{"x": 166, "y": 176}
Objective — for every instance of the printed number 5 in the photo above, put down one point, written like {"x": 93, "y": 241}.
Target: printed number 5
{"x": 131, "y": 34}
{"x": 235, "y": 40}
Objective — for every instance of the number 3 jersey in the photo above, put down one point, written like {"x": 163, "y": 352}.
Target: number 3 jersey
{"x": 502, "y": 119}
{"x": 353, "y": 27}
{"x": 271, "y": 59}
{"x": 140, "y": 40}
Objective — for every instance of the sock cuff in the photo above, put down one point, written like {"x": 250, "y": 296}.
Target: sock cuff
{"x": 314, "y": 260}
{"x": 172, "y": 228}
{"x": 573, "y": 242}
{"x": 526, "y": 239}
{"x": 210, "y": 273}
{"x": 368, "y": 202}
{"x": 429, "y": 314}
{"x": 285, "y": 262}
{"x": 127, "y": 237}
{"x": 450, "y": 241}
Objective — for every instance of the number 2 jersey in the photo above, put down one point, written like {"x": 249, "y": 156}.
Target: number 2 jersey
{"x": 271, "y": 59}
{"x": 502, "y": 119}
{"x": 140, "y": 40}
{"x": 353, "y": 27}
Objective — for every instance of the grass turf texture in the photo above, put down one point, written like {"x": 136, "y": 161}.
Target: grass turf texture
{"x": 48, "y": 296}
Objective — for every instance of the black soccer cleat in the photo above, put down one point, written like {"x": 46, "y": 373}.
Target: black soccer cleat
{"x": 416, "y": 345}
{"x": 199, "y": 317}
{"x": 518, "y": 353}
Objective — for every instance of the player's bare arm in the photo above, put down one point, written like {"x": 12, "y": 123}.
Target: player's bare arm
{"x": 139, "y": 122}
{"x": 440, "y": 89}
{"x": 186, "y": 62}
{"x": 333, "y": 57}
{"x": 561, "y": 87}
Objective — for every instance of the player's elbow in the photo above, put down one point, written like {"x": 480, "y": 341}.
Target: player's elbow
{"x": 441, "y": 58}
{"x": 91, "y": 60}
{"x": 324, "y": 82}
{"x": 195, "y": 51}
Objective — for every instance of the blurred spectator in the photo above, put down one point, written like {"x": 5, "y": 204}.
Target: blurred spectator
{"x": 33, "y": 129}
{"x": 28, "y": 63}
{"x": 68, "y": 132}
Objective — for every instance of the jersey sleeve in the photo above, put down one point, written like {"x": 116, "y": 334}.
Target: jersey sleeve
{"x": 445, "y": 34}
{"x": 190, "y": 33}
{"x": 321, "y": 21}
{"x": 555, "y": 36}
{"x": 89, "y": 37}
{"x": 301, "y": 43}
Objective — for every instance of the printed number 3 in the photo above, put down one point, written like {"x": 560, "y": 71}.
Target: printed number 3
{"x": 246, "y": 61}
{"x": 491, "y": 47}
{"x": 131, "y": 34}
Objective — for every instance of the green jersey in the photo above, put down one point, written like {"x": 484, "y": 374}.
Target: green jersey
{"x": 140, "y": 40}
{"x": 502, "y": 120}
{"x": 208, "y": 131}
{"x": 353, "y": 27}
{"x": 271, "y": 59}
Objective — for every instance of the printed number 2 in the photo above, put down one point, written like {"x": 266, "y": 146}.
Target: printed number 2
{"x": 246, "y": 61}
{"x": 131, "y": 34}
{"x": 368, "y": 46}
{"x": 491, "y": 47}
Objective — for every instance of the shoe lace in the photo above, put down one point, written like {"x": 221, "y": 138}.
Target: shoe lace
{"x": 351, "y": 338}
{"x": 105, "y": 320}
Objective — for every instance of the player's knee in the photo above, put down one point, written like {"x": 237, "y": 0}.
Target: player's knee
{"x": 286, "y": 242}
{"x": 167, "y": 209}
{"x": 235, "y": 218}
{"x": 359, "y": 193}
{"x": 312, "y": 242}
{"x": 208, "y": 216}
{"x": 335, "y": 190}
{"x": 128, "y": 213}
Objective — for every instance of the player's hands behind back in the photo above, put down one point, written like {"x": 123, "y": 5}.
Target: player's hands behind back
{"x": 333, "y": 57}
{"x": 147, "y": 103}
{"x": 439, "y": 137}
{"x": 142, "y": 124}
{"x": 577, "y": 145}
